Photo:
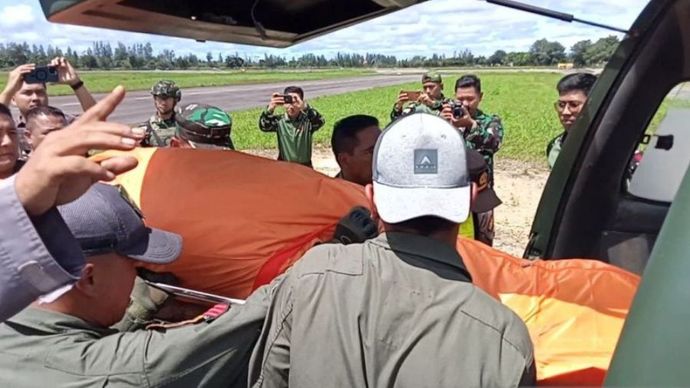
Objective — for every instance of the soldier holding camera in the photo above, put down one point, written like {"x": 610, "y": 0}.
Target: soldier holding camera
{"x": 26, "y": 89}
{"x": 482, "y": 132}
{"x": 295, "y": 129}
{"x": 431, "y": 100}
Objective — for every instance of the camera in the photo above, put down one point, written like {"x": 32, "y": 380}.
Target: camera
{"x": 41, "y": 75}
{"x": 287, "y": 98}
{"x": 457, "y": 109}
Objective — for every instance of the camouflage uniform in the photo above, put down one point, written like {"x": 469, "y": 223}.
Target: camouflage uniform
{"x": 204, "y": 126}
{"x": 486, "y": 138}
{"x": 160, "y": 131}
{"x": 417, "y": 107}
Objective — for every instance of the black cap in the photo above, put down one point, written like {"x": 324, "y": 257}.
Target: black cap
{"x": 479, "y": 175}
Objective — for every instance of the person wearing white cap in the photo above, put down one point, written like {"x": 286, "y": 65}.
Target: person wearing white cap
{"x": 401, "y": 309}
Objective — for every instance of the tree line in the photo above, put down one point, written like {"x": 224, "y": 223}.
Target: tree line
{"x": 141, "y": 56}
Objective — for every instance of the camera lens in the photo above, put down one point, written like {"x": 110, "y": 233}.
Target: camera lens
{"x": 41, "y": 75}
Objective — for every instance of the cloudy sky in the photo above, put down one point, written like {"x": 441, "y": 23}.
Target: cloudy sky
{"x": 441, "y": 26}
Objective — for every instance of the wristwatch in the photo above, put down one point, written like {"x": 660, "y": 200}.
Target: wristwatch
{"x": 77, "y": 85}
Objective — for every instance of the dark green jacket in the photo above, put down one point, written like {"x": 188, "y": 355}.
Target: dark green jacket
{"x": 486, "y": 138}
{"x": 295, "y": 137}
{"x": 41, "y": 348}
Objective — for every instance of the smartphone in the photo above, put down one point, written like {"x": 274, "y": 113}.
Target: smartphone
{"x": 412, "y": 95}
{"x": 287, "y": 98}
{"x": 41, "y": 75}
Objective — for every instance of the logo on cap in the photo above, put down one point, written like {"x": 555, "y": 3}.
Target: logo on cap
{"x": 425, "y": 161}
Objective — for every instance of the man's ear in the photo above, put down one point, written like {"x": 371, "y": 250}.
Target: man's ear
{"x": 481, "y": 96}
{"x": 342, "y": 159}
{"x": 87, "y": 283}
{"x": 14, "y": 103}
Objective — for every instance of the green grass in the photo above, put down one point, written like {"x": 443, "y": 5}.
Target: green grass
{"x": 105, "y": 81}
{"x": 524, "y": 101}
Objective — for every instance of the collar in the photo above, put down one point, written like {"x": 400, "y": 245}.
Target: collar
{"x": 51, "y": 322}
{"x": 428, "y": 248}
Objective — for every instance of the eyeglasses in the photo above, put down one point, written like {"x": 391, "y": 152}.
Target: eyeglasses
{"x": 572, "y": 105}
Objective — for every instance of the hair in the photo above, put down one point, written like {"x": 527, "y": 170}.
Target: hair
{"x": 4, "y": 110}
{"x": 467, "y": 81}
{"x": 344, "y": 138}
{"x": 575, "y": 82}
{"x": 44, "y": 111}
{"x": 294, "y": 89}
{"x": 425, "y": 225}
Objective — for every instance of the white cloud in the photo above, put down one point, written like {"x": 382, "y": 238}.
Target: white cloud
{"x": 437, "y": 26}
{"x": 13, "y": 16}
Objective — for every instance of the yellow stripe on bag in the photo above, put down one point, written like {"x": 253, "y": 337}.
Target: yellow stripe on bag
{"x": 133, "y": 180}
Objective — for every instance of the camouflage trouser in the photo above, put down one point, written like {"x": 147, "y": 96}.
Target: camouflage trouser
{"x": 484, "y": 227}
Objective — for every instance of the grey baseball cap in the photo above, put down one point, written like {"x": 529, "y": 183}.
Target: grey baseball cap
{"x": 420, "y": 169}
{"x": 104, "y": 221}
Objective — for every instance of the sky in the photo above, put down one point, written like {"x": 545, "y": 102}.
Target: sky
{"x": 437, "y": 26}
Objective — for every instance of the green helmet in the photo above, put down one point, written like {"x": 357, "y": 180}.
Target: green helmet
{"x": 204, "y": 124}
{"x": 167, "y": 88}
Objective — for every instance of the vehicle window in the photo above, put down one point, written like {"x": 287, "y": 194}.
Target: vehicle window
{"x": 659, "y": 165}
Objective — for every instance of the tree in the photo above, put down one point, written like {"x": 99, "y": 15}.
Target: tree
{"x": 578, "y": 52}
{"x": 498, "y": 58}
{"x": 209, "y": 59}
{"x": 234, "y": 62}
{"x": 547, "y": 53}
{"x": 600, "y": 52}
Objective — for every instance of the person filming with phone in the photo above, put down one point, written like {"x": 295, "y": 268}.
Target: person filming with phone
{"x": 429, "y": 100}
{"x": 26, "y": 89}
{"x": 295, "y": 128}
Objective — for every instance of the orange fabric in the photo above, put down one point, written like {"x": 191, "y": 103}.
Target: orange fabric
{"x": 574, "y": 309}
{"x": 244, "y": 219}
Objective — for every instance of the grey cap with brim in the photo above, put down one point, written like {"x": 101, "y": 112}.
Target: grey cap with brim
{"x": 103, "y": 221}
{"x": 420, "y": 170}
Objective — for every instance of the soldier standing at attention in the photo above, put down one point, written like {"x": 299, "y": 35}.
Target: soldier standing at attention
{"x": 399, "y": 310}
{"x": 429, "y": 101}
{"x": 160, "y": 128}
{"x": 295, "y": 129}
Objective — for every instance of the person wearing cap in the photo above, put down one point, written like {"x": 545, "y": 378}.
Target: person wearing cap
{"x": 160, "y": 127}
{"x": 400, "y": 309}
{"x": 431, "y": 100}
{"x": 202, "y": 126}
{"x": 65, "y": 339}
{"x": 480, "y": 225}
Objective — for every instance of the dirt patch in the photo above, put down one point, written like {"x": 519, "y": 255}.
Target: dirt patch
{"x": 519, "y": 185}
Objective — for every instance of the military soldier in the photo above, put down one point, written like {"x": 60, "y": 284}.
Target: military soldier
{"x": 202, "y": 126}
{"x": 160, "y": 128}
{"x": 65, "y": 338}
{"x": 429, "y": 101}
{"x": 483, "y": 132}
{"x": 401, "y": 309}
{"x": 295, "y": 129}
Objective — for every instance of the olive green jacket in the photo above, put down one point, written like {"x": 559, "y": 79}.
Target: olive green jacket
{"x": 41, "y": 348}
{"x": 397, "y": 311}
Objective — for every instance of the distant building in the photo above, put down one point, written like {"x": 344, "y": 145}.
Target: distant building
{"x": 565, "y": 66}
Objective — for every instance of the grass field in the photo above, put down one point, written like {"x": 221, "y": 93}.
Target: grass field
{"x": 524, "y": 101}
{"x": 105, "y": 81}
